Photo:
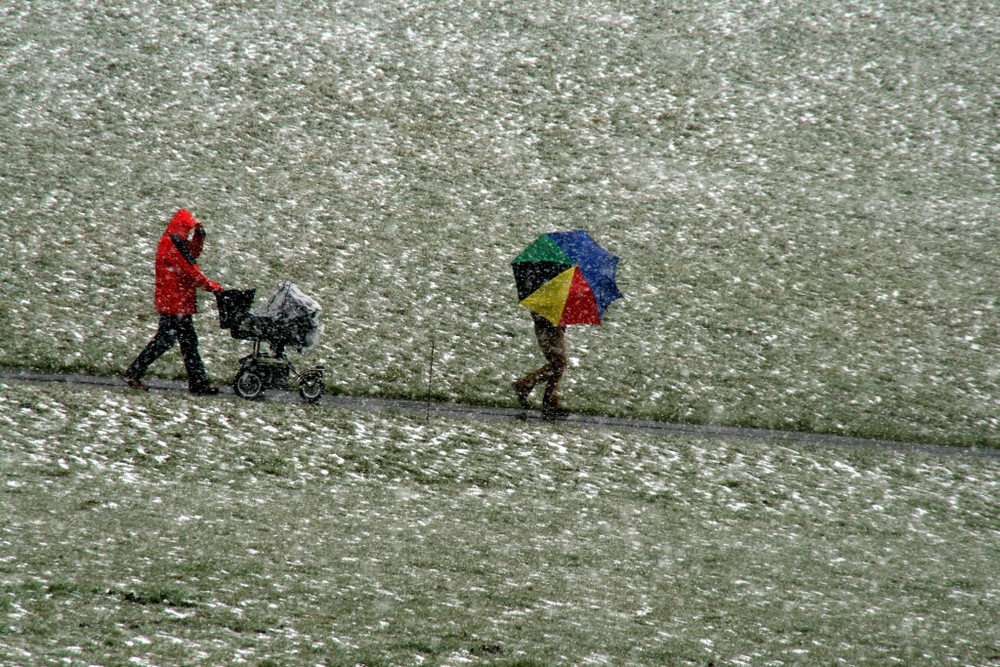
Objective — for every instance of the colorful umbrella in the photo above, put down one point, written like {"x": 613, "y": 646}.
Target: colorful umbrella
{"x": 566, "y": 278}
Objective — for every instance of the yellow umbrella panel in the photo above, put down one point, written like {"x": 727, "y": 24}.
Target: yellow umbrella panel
{"x": 565, "y": 299}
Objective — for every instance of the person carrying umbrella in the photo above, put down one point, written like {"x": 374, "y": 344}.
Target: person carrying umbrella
{"x": 177, "y": 277}
{"x": 552, "y": 341}
{"x": 563, "y": 278}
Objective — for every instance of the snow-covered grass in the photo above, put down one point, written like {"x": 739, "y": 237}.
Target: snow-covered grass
{"x": 146, "y": 531}
{"x": 804, "y": 194}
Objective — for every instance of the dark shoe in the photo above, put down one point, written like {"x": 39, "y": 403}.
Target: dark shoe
{"x": 136, "y": 383}
{"x": 522, "y": 394}
{"x": 207, "y": 390}
{"x": 554, "y": 412}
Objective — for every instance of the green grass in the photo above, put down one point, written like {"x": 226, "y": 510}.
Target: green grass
{"x": 145, "y": 529}
{"x": 803, "y": 195}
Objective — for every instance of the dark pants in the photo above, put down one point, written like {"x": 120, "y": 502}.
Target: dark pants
{"x": 173, "y": 329}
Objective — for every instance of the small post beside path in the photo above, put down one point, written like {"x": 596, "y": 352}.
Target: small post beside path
{"x": 430, "y": 378}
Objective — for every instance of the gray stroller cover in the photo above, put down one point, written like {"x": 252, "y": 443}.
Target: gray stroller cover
{"x": 289, "y": 317}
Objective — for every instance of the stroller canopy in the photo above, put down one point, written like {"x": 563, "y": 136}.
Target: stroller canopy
{"x": 290, "y": 317}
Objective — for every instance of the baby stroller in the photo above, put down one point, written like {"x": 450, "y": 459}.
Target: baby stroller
{"x": 289, "y": 318}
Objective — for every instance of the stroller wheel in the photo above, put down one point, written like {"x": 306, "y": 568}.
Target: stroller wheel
{"x": 248, "y": 385}
{"x": 311, "y": 387}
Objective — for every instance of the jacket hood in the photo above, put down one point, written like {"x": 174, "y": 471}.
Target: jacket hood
{"x": 182, "y": 223}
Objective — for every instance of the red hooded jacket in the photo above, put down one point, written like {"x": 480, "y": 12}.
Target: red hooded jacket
{"x": 177, "y": 272}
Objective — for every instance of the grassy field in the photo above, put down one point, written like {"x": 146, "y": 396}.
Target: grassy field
{"x": 144, "y": 529}
{"x": 804, "y": 194}
{"x": 804, "y": 197}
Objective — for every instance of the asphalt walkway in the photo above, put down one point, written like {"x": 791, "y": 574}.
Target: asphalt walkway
{"x": 473, "y": 412}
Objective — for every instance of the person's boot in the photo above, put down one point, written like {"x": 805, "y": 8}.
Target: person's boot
{"x": 522, "y": 392}
{"x": 554, "y": 412}
{"x": 135, "y": 383}
{"x": 551, "y": 406}
{"x": 205, "y": 390}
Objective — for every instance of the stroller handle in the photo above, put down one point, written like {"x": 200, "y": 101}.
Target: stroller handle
{"x": 234, "y": 306}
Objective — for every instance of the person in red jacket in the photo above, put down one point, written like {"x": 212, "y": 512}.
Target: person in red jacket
{"x": 177, "y": 278}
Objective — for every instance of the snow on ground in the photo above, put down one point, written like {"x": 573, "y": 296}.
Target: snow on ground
{"x": 163, "y": 529}
{"x": 802, "y": 194}
{"x": 804, "y": 198}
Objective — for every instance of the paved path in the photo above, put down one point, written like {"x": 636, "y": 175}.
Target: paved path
{"x": 471, "y": 412}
